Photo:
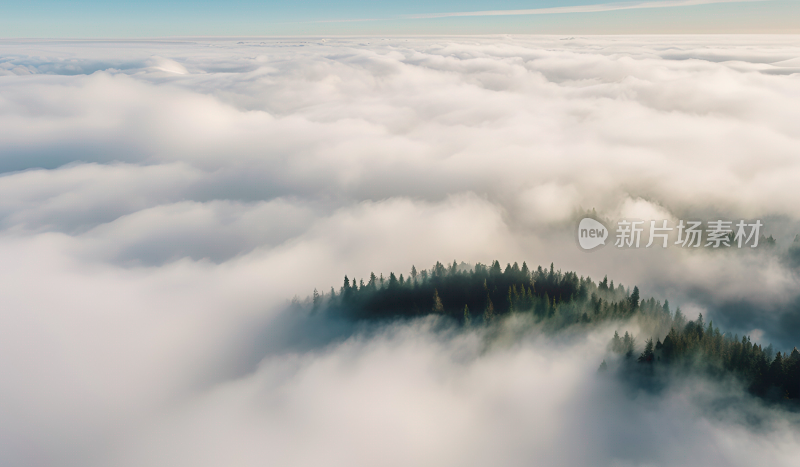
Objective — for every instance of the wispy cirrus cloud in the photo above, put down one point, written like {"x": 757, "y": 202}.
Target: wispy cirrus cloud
{"x": 597, "y": 8}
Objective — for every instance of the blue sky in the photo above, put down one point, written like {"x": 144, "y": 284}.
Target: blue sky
{"x": 151, "y": 18}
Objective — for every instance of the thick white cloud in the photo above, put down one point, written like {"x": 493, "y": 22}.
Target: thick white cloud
{"x": 161, "y": 201}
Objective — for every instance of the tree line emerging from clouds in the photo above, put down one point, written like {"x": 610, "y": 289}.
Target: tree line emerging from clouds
{"x": 691, "y": 347}
{"x": 482, "y": 295}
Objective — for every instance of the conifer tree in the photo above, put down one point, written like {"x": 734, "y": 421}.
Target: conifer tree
{"x": 488, "y": 313}
{"x": 776, "y": 374}
{"x": 316, "y": 300}
{"x": 495, "y": 269}
{"x": 793, "y": 374}
{"x": 438, "y": 308}
{"x": 635, "y": 298}
{"x": 628, "y": 344}
{"x": 526, "y": 272}
{"x": 616, "y": 343}
{"x": 647, "y": 355}
{"x": 679, "y": 319}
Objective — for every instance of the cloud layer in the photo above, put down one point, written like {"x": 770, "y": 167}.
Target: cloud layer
{"x": 160, "y": 202}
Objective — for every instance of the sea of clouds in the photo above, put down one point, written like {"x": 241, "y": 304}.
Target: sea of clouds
{"x": 161, "y": 201}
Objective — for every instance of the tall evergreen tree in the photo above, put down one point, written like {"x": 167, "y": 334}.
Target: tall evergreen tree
{"x": 488, "y": 313}
{"x": 438, "y": 307}
{"x": 647, "y": 355}
{"x": 526, "y": 273}
{"x": 792, "y": 374}
{"x": 616, "y": 343}
{"x": 316, "y": 300}
{"x": 679, "y": 320}
{"x": 635, "y": 298}
{"x": 776, "y": 374}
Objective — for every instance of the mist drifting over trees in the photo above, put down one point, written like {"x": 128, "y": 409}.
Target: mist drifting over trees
{"x": 555, "y": 300}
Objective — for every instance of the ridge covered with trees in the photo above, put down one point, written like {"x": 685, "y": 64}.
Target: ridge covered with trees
{"x": 693, "y": 346}
{"x": 481, "y": 294}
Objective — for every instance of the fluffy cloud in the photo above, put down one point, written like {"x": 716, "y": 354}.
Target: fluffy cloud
{"x": 160, "y": 202}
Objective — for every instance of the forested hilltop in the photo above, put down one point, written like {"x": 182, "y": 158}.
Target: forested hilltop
{"x": 481, "y": 294}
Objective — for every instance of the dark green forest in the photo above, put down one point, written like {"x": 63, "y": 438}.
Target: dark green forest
{"x": 696, "y": 347}
{"x": 480, "y": 295}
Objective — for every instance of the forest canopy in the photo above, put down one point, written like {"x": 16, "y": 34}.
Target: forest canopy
{"x": 482, "y": 294}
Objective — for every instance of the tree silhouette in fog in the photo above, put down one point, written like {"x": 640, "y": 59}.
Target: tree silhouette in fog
{"x": 484, "y": 294}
